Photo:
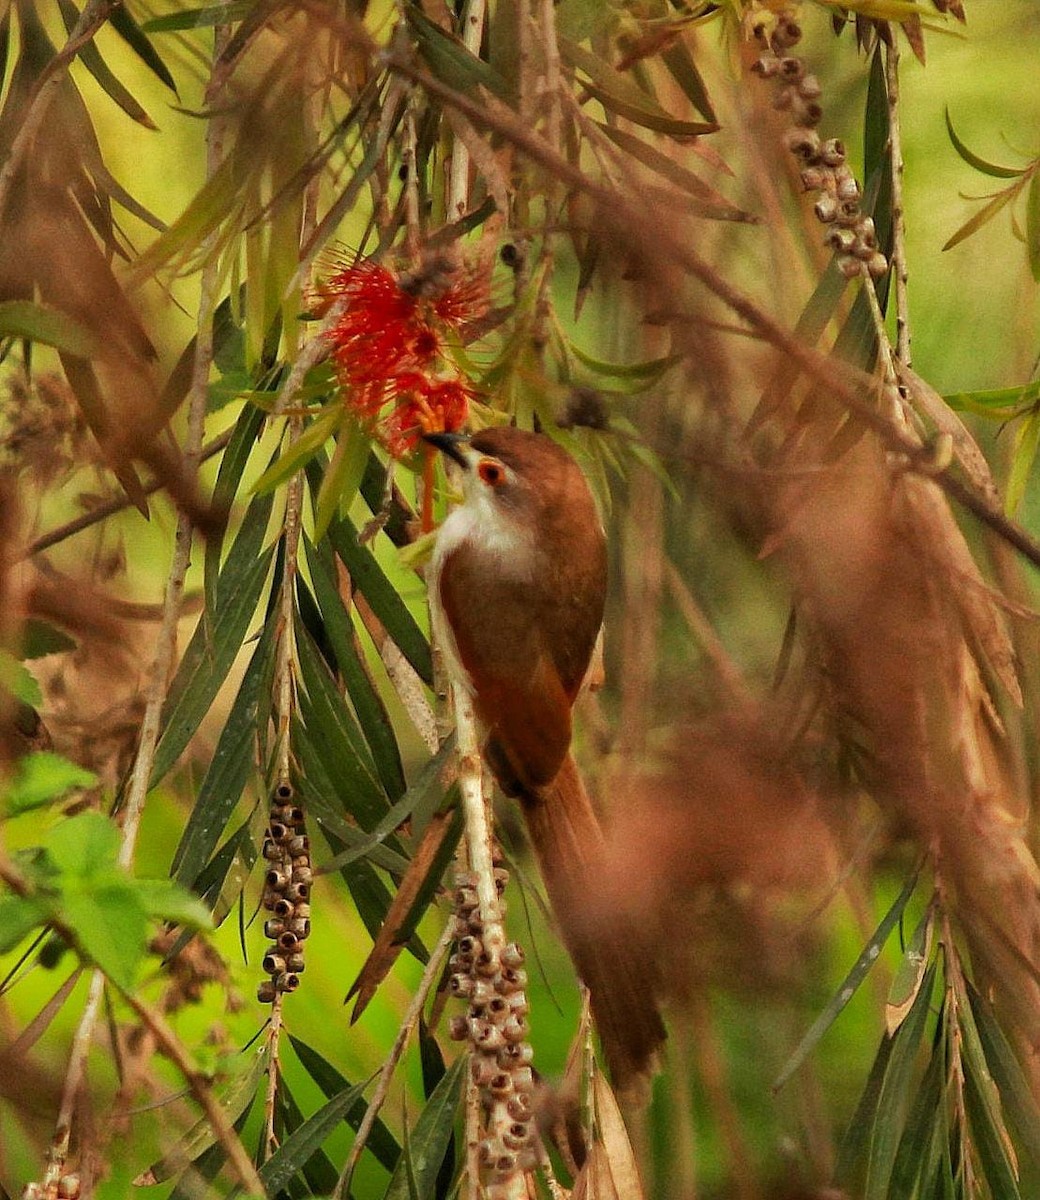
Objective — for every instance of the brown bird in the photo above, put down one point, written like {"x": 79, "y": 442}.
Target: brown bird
{"x": 517, "y": 587}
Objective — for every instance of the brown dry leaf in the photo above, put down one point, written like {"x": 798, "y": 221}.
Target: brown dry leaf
{"x": 610, "y": 1172}
{"x": 388, "y": 945}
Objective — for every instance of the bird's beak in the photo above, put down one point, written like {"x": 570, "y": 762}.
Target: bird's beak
{"x": 449, "y": 444}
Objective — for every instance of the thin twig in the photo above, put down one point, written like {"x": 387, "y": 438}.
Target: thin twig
{"x": 411, "y": 1017}
{"x": 898, "y": 257}
{"x": 661, "y": 248}
{"x": 117, "y": 504}
{"x": 177, "y": 1053}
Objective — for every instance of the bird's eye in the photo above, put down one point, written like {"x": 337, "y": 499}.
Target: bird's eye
{"x": 491, "y": 472}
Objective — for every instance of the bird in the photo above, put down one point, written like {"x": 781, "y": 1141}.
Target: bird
{"x": 517, "y": 583}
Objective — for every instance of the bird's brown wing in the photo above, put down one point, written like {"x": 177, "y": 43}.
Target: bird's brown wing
{"x": 518, "y": 693}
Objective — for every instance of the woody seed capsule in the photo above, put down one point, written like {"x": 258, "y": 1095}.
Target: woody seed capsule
{"x": 519, "y": 1108}
{"x": 766, "y": 66}
{"x": 809, "y": 88}
{"x": 514, "y": 1030}
{"x": 850, "y": 267}
{"x": 460, "y": 985}
{"x": 279, "y": 831}
{"x": 273, "y": 963}
{"x": 272, "y": 851}
{"x": 288, "y": 982}
{"x": 458, "y": 1029}
{"x": 832, "y": 152}
{"x": 277, "y": 879}
{"x": 299, "y": 844}
{"x": 792, "y": 69}
{"x": 266, "y": 991}
{"x": 301, "y": 927}
{"x": 296, "y": 962}
{"x": 515, "y": 1135}
{"x": 273, "y": 928}
{"x": 282, "y": 907}
{"x": 512, "y": 955}
{"x": 877, "y": 266}
{"x": 500, "y": 1084}
{"x": 826, "y": 209}
{"x": 517, "y": 1054}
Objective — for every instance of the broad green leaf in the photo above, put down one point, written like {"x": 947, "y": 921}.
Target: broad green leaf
{"x": 1015, "y": 1095}
{"x": 200, "y": 18}
{"x": 368, "y": 577}
{"x": 297, "y": 1149}
{"x": 368, "y": 704}
{"x": 973, "y": 160}
{"x": 234, "y": 759}
{"x": 986, "y": 213}
{"x": 428, "y": 1141}
{"x": 890, "y": 1115}
{"x": 110, "y": 925}
{"x": 19, "y": 916}
{"x": 620, "y": 94}
{"x": 381, "y": 1141}
{"x": 164, "y": 899}
{"x": 84, "y": 845}
{"x": 907, "y": 981}
{"x": 1033, "y": 223}
{"x": 26, "y": 319}
{"x": 218, "y": 637}
{"x": 1027, "y": 441}
{"x": 42, "y": 778}
{"x": 860, "y": 969}
{"x": 235, "y": 1098}
{"x": 18, "y": 680}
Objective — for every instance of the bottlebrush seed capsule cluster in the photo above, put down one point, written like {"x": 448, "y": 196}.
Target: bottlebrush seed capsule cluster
{"x": 287, "y": 890}
{"x": 495, "y": 1025}
{"x": 851, "y": 232}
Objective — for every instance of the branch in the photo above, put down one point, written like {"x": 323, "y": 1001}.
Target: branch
{"x": 898, "y": 258}
{"x": 429, "y": 976}
{"x": 662, "y": 252}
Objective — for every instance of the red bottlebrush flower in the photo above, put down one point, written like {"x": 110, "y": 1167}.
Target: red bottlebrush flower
{"x": 387, "y": 344}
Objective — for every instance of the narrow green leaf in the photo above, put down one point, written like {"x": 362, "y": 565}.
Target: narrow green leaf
{"x": 1033, "y": 224}
{"x": 37, "y": 323}
{"x": 986, "y": 213}
{"x": 200, "y": 18}
{"x": 368, "y": 704}
{"x": 335, "y": 734}
{"x": 860, "y": 969}
{"x": 300, "y": 1146}
{"x": 908, "y": 977}
{"x": 1027, "y": 441}
{"x": 620, "y": 94}
{"x": 235, "y": 1098}
{"x": 1015, "y": 1094}
{"x": 683, "y": 69}
{"x": 380, "y": 1140}
{"x": 989, "y": 1137}
{"x": 917, "y": 1157}
{"x": 996, "y": 403}
{"x": 218, "y": 637}
{"x": 450, "y": 60}
{"x": 318, "y": 1171}
{"x": 102, "y": 73}
{"x": 368, "y": 577}
{"x": 234, "y": 759}
{"x": 707, "y": 201}
{"x": 43, "y": 777}
{"x": 651, "y": 369}
{"x": 128, "y": 29}
{"x": 973, "y": 160}
{"x": 297, "y": 453}
{"x": 890, "y": 1115}
{"x": 429, "y": 1139}
{"x": 342, "y": 477}
{"x": 229, "y": 476}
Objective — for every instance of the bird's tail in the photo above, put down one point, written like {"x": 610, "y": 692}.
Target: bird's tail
{"x": 612, "y": 960}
